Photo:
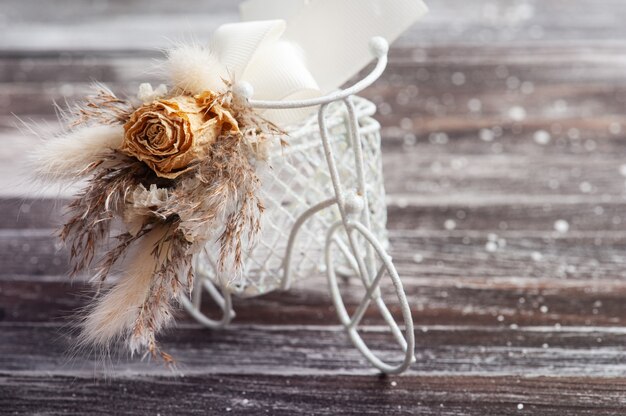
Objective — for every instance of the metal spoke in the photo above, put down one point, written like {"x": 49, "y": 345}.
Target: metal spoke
{"x": 197, "y": 292}
{"x": 347, "y": 254}
{"x": 388, "y": 317}
{"x": 367, "y": 299}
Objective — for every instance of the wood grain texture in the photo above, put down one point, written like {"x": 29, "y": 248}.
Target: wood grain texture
{"x": 315, "y": 395}
{"x": 325, "y": 349}
{"x": 494, "y": 253}
{"x": 450, "y": 301}
{"x": 502, "y": 121}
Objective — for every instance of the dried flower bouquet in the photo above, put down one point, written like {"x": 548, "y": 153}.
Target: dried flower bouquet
{"x": 176, "y": 169}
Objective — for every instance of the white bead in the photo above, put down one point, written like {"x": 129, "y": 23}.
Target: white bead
{"x": 379, "y": 46}
{"x": 243, "y": 90}
{"x": 354, "y": 203}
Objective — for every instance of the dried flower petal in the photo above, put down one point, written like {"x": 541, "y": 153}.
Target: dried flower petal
{"x": 142, "y": 205}
{"x": 171, "y": 135}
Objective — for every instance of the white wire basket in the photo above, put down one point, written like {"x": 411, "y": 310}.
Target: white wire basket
{"x": 325, "y": 212}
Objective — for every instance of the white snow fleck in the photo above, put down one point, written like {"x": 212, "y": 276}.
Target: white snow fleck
{"x": 561, "y": 226}
{"x": 491, "y": 246}
{"x": 527, "y": 87}
{"x": 384, "y": 108}
{"x": 502, "y": 71}
{"x": 560, "y": 106}
{"x": 438, "y": 138}
{"x": 590, "y": 145}
{"x": 459, "y": 163}
{"x": 513, "y": 83}
{"x": 585, "y": 187}
{"x": 554, "y": 184}
{"x": 458, "y": 78}
{"x": 615, "y": 128}
{"x": 487, "y": 135}
{"x": 542, "y": 137}
{"x": 517, "y": 113}
{"x": 410, "y": 139}
{"x": 474, "y": 105}
{"x": 406, "y": 123}
{"x": 449, "y": 225}
{"x": 573, "y": 133}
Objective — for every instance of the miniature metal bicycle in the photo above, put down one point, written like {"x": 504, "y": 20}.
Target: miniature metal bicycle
{"x": 303, "y": 223}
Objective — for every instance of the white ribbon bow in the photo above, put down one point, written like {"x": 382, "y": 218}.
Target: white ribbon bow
{"x": 315, "y": 47}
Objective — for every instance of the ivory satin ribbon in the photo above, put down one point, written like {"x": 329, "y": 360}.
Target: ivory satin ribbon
{"x": 296, "y": 49}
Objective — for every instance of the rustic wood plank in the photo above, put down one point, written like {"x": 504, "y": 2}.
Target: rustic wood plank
{"x": 528, "y": 214}
{"x": 438, "y": 300}
{"x": 420, "y": 253}
{"x": 470, "y": 178}
{"x": 148, "y": 23}
{"x": 29, "y": 213}
{"x": 524, "y": 214}
{"x": 548, "y": 81}
{"x": 510, "y": 253}
{"x": 298, "y": 349}
{"x": 314, "y": 394}
{"x": 409, "y": 211}
{"x": 111, "y": 25}
{"x": 33, "y": 252}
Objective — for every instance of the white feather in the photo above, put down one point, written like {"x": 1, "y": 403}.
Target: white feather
{"x": 66, "y": 157}
{"x": 195, "y": 69}
{"x": 114, "y": 314}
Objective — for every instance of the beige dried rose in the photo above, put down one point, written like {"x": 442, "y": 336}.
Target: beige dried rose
{"x": 169, "y": 135}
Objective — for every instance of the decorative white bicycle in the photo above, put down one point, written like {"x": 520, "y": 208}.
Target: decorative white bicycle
{"x": 303, "y": 223}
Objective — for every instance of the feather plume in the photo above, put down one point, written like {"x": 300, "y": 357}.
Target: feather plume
{"x": 100, "y": 107}
{"x": 220, "y": 202}
{"x": 68, "y": 157}
{"x": 138, "y": 304}
{"x": 194, "y": 69}
{"x": 91, "y": 213}
{"x": 167, "y": 286}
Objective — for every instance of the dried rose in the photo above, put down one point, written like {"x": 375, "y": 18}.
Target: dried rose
{"x": 169, "y": 135}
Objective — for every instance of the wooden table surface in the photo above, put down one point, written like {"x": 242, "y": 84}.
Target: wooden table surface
{"x": 504, "y": 143}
